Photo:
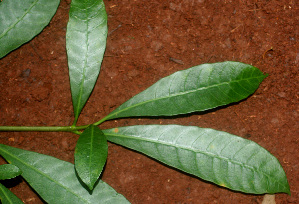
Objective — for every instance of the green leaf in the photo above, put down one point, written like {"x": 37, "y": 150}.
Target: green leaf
{"x": 56, "y": 180}
{"x": 85, "y": 42}
{"x": 20, "y": 21}
{"x": 7, "y": 197}
{"x": 196, "y": 89}
{"x": 215, "y": 156}
{"x": 8, "y": 171}
{"x": 91, "y": 155}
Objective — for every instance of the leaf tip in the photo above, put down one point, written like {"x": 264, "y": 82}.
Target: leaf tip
{"x": 266, "y": 75}
{"x": 90, "y": 186}
{"x": 288, "y": 191}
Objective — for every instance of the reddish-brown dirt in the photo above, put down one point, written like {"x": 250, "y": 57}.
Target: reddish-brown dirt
{"x": 147, "y": 41}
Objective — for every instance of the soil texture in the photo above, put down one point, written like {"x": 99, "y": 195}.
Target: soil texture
{"x": 149, "y": 40}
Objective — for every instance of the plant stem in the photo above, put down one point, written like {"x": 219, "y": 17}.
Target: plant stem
{"x": 41, "y": 128}
{"x": 100, "y": 121}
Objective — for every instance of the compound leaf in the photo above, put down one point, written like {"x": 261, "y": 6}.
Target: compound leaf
{"x": 85, "y": 42}
{"x": 20, "y": 21}
{"x": 7, "y": 197}
{"x": 215, "y": 156}
{"x": 91, "y": 155}
{"x": 56, "y": 180}
{"x": 8, "y": 171}
{"x": 196, "y": 89}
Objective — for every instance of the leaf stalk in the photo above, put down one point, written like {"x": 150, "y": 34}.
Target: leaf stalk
{"x": 42, "y": 128}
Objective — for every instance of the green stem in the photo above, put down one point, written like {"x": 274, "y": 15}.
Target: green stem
{"x": 101, "y": 121}
{"x": 41, "y": 128}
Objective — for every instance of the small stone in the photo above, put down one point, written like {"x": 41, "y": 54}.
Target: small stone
{"x": 228, "y": 43}
{"x": 275, "y": 120}
{"x": 269, "y": 199}
{"x": 156, "y": 45}
{"x": 40, "y": 94}
{"x": 64, "y": 143}
{"x": 166, "y": 38}
{"x": 25, "y": 73}
{"x": 112, "y": 73}
{"x": 133, "y": 73}
{"x": 282, "y": 94}
{"x": 175, "y": 7}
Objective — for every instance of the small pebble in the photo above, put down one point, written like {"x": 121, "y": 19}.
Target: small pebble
{"x": 282, "y": 94}
{"x": 275, "y": 121}
{"x": 25, "y": 73}
{"x": 156, "y": 45}
{"x": 269, "y": 199}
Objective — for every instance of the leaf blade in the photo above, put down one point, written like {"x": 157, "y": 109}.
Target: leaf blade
{"x": 20, "y": 21}
{"x": 196, "y": 89}
{"x": 55, "y": 180}
{"x": 215, "y": 156}
{"x": 7, "y": 197}
{"x": 90, "y": 155}
{"x": 85, "y": 42}
{"x": 8, "y": 171}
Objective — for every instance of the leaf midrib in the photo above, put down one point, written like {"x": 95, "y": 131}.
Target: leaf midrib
{"x": 91, "y": 153}
{"x": 84, "y": 66}
{"x": 43, "y": 174}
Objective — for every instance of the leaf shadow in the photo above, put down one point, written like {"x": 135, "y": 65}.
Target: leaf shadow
{"x": 9, "y": 183}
